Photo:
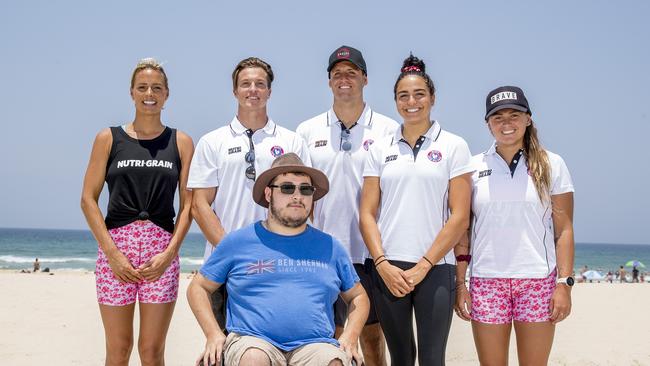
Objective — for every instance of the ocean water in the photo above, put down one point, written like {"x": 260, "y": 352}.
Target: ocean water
{"x": 77, "y": 250}
{"x": 72, "y": 249}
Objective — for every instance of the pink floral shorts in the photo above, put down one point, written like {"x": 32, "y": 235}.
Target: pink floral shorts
{"x": 502, "y": 300}
{"x": 139, "y": 241}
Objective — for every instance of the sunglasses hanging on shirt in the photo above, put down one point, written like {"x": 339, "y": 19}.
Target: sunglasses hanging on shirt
{"x": 346, "y": 143}
{"x": 250, "y": 157}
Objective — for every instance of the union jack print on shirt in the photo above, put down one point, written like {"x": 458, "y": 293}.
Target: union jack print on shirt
{"x": 261, "y": 266}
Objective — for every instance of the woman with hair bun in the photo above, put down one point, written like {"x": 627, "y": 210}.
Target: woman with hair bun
{"x": 142, "y": 162}
{"x": 414, "y": 208}
{"x": 521, "y": 238}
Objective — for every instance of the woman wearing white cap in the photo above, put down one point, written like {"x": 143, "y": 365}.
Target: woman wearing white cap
{"x": 521, "y": 238}
{"x": 414, "y": 208}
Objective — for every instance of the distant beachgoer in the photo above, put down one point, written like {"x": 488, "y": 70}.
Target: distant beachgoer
{"x": 415, "y": 205}
{"x": 143, "y": 163}
{"x": 610, "y": 277}
{"x": 623, "y": 273}
{"x": 642, "y": 277}
{"x": 635, "y": 274}
{"x": 522, "y": 245}
{"x": 582, "y": 273}
{"x": 37, "y": 265}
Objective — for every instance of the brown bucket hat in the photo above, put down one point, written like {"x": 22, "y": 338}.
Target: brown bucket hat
{"x": 289, "y": 163}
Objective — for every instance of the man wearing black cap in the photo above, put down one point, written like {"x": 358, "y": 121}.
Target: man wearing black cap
{"x": 338, "y": 141}
{"x": 283, "y": 277}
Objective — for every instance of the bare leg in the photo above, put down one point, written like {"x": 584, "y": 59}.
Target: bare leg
{"x": 534, "y": 341}
{"x": 492, "y": 342}
{"x": 154, "y": 323}
{"x": 373, "y": 345}
{"x": 118, "y": 330}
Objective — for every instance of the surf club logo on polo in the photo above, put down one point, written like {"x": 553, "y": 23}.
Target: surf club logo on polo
{"x": 506, "y": 95}
{"x": 277, "y": 151}
{"x": 434, "y": 155}
{"x": 367, "y": 143}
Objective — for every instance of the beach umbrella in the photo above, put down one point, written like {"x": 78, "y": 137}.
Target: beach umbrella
{"x": 634, "y": 263}
{"x": 593, "y": 275}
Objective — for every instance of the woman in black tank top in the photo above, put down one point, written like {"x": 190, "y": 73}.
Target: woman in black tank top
{"x": 143, "y": 163}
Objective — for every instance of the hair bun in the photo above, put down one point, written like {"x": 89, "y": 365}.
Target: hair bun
{"x": 149, "y": 61}
{"x": 413, "y": 63}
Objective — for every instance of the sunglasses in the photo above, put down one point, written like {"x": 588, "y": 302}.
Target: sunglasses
{"x": 346, "y": 144}
{"x": 289, "y": 188}
{"x": 250, "y": 157}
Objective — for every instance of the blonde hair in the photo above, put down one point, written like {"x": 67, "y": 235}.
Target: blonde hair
{"x": 149, "y": 63}
{"x": 537, "y": 161}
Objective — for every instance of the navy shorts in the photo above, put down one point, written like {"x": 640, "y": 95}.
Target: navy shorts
{"x": 341, "y": 308}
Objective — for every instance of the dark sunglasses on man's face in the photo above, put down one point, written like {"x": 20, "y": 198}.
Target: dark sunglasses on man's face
{"x": 289, "y": 188}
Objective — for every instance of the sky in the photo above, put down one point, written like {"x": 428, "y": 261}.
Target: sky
{"x": 584, "y": 65}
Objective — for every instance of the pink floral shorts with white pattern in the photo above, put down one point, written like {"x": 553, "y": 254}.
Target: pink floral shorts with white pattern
{"x": 502, "y": 300}
{"x": 139, "y": 241}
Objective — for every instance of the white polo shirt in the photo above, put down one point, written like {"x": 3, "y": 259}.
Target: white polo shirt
{"x": 512, "y": 230}
{"x": 414, "y": 190}
{"x": 218, "y": 161}
{"x": 338, "y": 212}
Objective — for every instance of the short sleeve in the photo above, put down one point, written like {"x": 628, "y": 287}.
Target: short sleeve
{"x": 344, "y": 267}
{"x": 561, "y": 178}
{"x": 460, "y": 159}
{"x": 219, "y": 264}
{"x": 302, "y": 150}
{"x": 204, "y": 169}
{"x": 301, "y": 131}
{"x": 372, "y": 165}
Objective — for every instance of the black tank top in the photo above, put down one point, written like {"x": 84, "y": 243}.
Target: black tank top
{"x": 142, "y": 176}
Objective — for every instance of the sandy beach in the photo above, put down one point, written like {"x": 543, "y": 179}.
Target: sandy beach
{"x": 54, "y": 320}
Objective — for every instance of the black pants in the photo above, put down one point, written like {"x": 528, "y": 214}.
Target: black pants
{"x": 432, "y": 300}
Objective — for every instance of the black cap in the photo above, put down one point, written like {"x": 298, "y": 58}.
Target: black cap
{"x": 347, "y": 53}
{"x": 506, "y": 97}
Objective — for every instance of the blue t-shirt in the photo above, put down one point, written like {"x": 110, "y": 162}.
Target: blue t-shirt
{"x": 281, "y": 288}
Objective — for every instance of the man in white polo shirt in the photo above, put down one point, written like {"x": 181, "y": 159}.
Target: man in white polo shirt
{"x": 227, "y": 161}
{"x": 338, "y": 142}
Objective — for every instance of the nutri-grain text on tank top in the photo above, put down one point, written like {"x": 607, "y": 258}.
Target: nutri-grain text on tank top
{"x": 142, "y": 176}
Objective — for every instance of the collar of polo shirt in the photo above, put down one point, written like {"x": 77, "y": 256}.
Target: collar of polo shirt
{"x": 432, "y": 133}
{"x": 237, "y": 127}
{"x": 364, "y": 120}
{"x": 493, "y": 149}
